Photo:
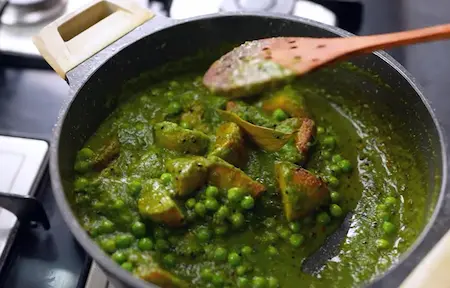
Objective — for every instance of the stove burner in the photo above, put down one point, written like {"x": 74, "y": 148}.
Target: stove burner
{"x": 28, "y": 12}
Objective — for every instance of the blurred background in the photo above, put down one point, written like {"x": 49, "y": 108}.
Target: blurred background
{"x": 31, "y": 95}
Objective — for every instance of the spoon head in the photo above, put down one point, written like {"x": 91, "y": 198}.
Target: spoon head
{"x": 255, "y": 65}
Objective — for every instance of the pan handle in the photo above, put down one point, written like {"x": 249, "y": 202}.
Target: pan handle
{"x": 73, "y": 38}
{"x": 433, "y": 270}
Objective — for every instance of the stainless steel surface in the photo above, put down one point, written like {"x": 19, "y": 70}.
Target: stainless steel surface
{"x": 32, "y": 11}
{"x": 21, "y": 22}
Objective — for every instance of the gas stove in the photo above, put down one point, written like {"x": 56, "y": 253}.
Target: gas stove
{"x": 30, "y": 255}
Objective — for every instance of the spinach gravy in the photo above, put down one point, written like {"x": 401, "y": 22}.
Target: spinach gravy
{"x": 185, "y": 188}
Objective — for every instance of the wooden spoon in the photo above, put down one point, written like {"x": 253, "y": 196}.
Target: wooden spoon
{"x": 257, "y": 64}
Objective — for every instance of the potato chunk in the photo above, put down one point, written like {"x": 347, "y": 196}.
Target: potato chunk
{"x": 190, "y": 173}
{"x": 305, "y": 136}
{"x": 171, "y": 136}
{"x": 155, "y": 203}
{"x": 301, "y": 191}
{"x": 160, "y": 277}
{"x": 230, "y": 144}
{"x": 226, "y": 176}
{"x": 289, "y": 101}
{"x": 106, "y": 154}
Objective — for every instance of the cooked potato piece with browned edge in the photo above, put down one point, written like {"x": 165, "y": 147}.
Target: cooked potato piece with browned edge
{"x": 155, "y": 203}
{"x": 171, "y": 136}
{"x": 289, "y": 101}
{"x": 230, "y": 144}
{"x": 190, "y": 173}
{"x": 160, "y": 277}
{"x": 106, "y": 154}
{"x": 301, "y": 191}
{"x": 305, "y": 136}
{"x": 194, "y": 117}
{"x": 225, "y": 176}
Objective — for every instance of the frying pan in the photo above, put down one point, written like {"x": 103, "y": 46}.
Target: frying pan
{"x": 108, "y": 42}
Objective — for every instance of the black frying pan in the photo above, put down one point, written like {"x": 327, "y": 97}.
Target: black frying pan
{"x": 94, "y": 50}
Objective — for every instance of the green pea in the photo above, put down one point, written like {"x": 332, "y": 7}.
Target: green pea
{"x": 320, "y": 130}
{"x": 222, "y": 213}
{"x": 119, "y": 257}
{"x": 169, "y": 260}
{"x": 190, "y": 216}
{"x": 241, "y": 270}
{"x": 259, "y": 282}
{"x": 325, "y": 154}
{"x": 218, "y": 280}
{"x": 332, "y": 181}
{"x": 174, "y": 84}
{"x": 237, "y": 220}
{"x": 106, "y": 227}
{"x": 82, "y": 166}
{"x": 335, "y": 197}
{"x": 190, "y": 203}
{"x": 382, "y": 207}
{"x": 124, "y": 240}
{"x": 211, "y": 204}
{"x": 294, "y": 226}
{"x": 135, "y": 187}
{"x": 108, "y": 245}
{"x": 162, "y": 245}
{"x": 335, "y": 169}
{"x": 133, "y": 258}
{"x": 185, "y": 125}
{"x": 384, "y": 215}
{"x": 138, "y": 229}
{"x": 329, "y": 142}
{"x": 279, "y": 115}
{"x": 283, "y": 232}
{"x": 247, "y": 250}
{"x": 390, "y": 201}
{"x": 80, "y": 184}
{"x": 382, "y": 244}
{"x": 221, "y": 230}
{"x": 345, "y": 165}
{"x": 272, "y": 251}
{"x": 212, "y": 192}
{"x": 166, "y": 178}
{"x": 206, "y": 274}
{"x": 242, "y": 282}
{"x": 200, "y": 209}
{"x": 323, "y": 218}
{"x": 118, "y": 204}
{"x": 127, "y": 266}
{"x": 169, "y": 94}
{"x": 335, "y": 210}
{"x": 174, "y": 108}
{"x": 247, "y": 203}
{"x": 86, "y": 154}
{"x": 235, "y": 194}
{"x": 296, "y": 240}
{"x": 145, "y": 244}
{"x": 234, "y": 259}
{"x": 336, "y": 158}
{"x": 203, "y": 234}
{"x": 388, "y": 227}
{"x": 269, "y": 222}
{"x": 220, "y": 254}
{"x": 272, "y": 282}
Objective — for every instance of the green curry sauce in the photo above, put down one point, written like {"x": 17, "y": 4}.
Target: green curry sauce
{"x": 228, "y": 236}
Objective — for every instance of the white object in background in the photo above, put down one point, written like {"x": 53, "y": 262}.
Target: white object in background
{"x": 181, "y": 9}
{"x": 20, "y": 162}
{"x": 314, "y": 11}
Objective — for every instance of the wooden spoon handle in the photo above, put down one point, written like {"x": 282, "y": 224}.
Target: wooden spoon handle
{"x": 433, "y": 271}
{"x": 366, "y": 44}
